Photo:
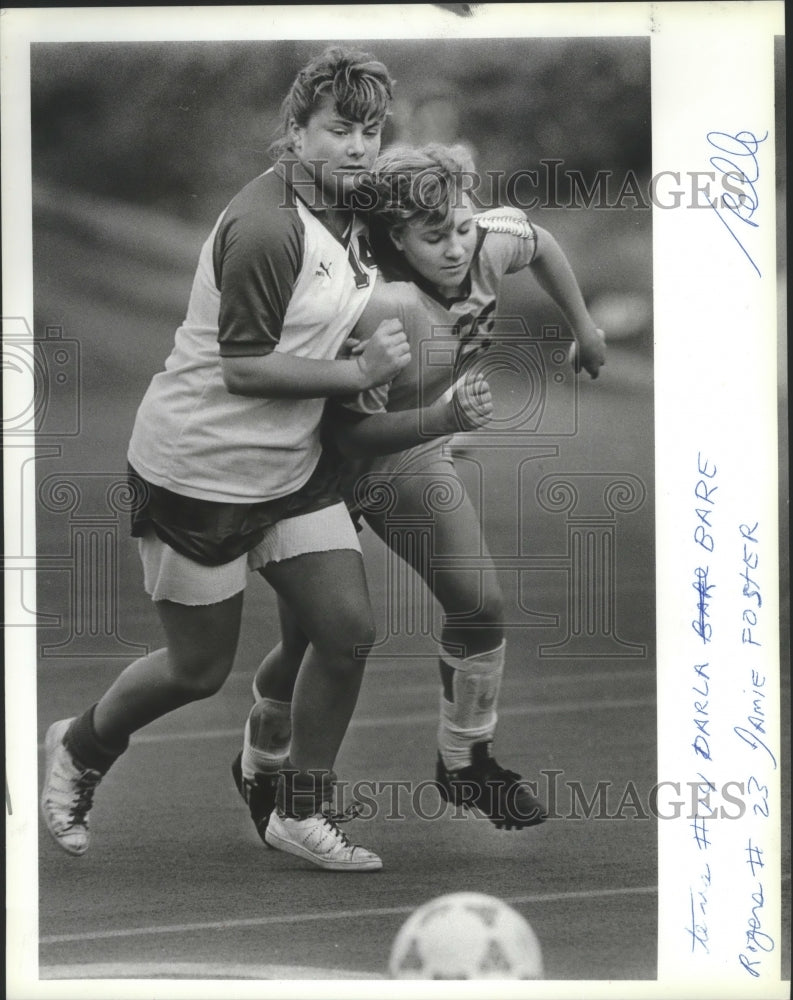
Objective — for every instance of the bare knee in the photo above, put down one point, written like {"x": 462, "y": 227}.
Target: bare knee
{"x": 345, "y": 643}
{"x": 490, "y": 613}
{"x": 482, "y": 608}
{"x": 202, "y": 641}
{"x": 199, "y": 677}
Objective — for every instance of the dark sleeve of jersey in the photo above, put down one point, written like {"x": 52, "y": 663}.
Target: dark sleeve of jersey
{"x": 257, "y": 256}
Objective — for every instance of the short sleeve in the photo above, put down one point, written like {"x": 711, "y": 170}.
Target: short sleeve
{"x": 257, "y": 257}
{"x": 512, "y": 237}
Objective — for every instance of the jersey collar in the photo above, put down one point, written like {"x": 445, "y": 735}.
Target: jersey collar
{"x": 301, "y": 182}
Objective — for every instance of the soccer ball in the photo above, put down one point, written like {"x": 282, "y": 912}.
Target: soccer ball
{"x": 465, "y": 935}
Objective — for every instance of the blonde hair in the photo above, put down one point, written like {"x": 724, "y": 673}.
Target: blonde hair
{"x": 419, "y": 186}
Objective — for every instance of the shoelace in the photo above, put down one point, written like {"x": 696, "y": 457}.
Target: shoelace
{"x": 85, "y": 784}
{"x": 351, "y": 812}
{"x": 332, "y": 819}
{"x": 340, "y": 835}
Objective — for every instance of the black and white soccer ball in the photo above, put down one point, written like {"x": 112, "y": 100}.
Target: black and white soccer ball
{"x": 465, "y": 935}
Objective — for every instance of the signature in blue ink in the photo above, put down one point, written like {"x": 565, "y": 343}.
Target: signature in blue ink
{"x": 755, "y": 859}
{"x": 742, "y": 201}
{"x": 751, "y": 589}
{"x": 756, "y": 719}
{"x": 760, "y": 808}
{"x": 750, "y": 737}
{"x": 757, "y": 940}
{"x": 703, "y": 589}
{"x": 700, "y": 828}
{"x": 699, "y": 931}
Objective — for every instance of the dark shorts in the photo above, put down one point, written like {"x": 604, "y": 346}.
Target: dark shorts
{"x": 212, "y": 533}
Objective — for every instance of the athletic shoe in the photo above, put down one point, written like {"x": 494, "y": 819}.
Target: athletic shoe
{"x": 491, "y": 790}
{"x": 319, "y": 840}
{"x": 259, "y": 795}
{"x": 68, "y": 793}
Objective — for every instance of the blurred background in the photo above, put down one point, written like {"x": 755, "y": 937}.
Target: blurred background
{"x": 180, "y": 126}
{"x": 138, "y": 147}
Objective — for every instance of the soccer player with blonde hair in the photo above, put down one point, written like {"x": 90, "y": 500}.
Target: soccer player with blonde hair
{"x": 444, "y": 264}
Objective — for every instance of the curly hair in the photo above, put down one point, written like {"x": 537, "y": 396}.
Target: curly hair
{"x": 412, "y": 186}
{"x": 359, "y": 84}
{"x": 419, "y": 186}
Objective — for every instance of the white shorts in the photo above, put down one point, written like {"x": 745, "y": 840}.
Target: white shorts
{"x": 169, "y": 576}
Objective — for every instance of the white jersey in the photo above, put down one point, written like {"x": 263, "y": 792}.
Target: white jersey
{"x": 271, "y": 277}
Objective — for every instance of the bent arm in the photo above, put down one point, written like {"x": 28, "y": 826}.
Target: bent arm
{"x": 465, "y": 406}
{"x": 555, "y": 276}
{"x": 284, "y": 376}
{"x": 360, "y": 435}
{"x": 386, "y": 433}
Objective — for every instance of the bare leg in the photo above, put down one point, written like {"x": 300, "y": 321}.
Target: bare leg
{"x": 202, "y": 642}
{"x": 472, "y": 653}
{"x": 201, "y": 645}
{"x": 277, "y": 673}
{"x": 471, "y": 599}
{"x": 327, "y": 594}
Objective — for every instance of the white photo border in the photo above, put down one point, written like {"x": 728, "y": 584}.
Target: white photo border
{"x": 715, "y": 320}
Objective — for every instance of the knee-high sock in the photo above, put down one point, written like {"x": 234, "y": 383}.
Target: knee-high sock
{"x": 471, "y": 717}
{"x": 268, "y": 732}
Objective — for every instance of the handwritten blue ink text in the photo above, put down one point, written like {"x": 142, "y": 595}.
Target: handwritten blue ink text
{"x": 742, "y": 201}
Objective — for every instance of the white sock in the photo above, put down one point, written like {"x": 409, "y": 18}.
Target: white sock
{"x": 471, "y": 717}
{"x": 268, "y": 732}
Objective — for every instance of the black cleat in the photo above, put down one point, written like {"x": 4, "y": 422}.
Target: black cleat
{"x": 485, "y": 787}
{"x": 259, "y": 795}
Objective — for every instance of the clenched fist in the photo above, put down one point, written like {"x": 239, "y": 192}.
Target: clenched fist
{"x": 384, "y": 354}
{"x": 588, "y": 351}
{"x": 467, "y": 405}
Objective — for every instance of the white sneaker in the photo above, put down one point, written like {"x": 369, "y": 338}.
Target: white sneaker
{"x": 319, "y": 840}
{"x": 68, "y": 793}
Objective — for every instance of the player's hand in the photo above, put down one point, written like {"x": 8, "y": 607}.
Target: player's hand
{"x": 468, "y": 404}
{"x": 350, "y": 348}
{"x": 588, "y": 350}
{"x": 384, "y": 354}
